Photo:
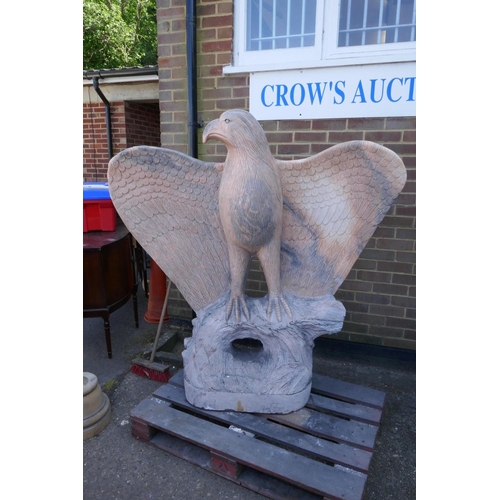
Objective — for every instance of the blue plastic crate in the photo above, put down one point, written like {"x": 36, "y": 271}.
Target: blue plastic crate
{"x": 96, "y": 191}
{"x": 99, "y": 213}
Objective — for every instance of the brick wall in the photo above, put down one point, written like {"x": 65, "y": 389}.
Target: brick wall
{"x": 95, "y": 148}
{"x": 132, "y": 124}
{"x": 379, "y": 293}
{"x": 142, "y": 124}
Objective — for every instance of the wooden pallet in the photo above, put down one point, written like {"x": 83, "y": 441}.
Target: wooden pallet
{"x": 321, "y": 451}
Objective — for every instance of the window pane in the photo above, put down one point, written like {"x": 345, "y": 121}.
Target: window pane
{"x": 367, "y": 22}
{"x": 280, "y": 24}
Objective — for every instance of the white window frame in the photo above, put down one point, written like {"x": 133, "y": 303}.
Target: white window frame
{"x": 324, "y": 53}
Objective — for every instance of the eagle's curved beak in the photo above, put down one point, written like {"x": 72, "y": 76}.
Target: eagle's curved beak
{"x": 211, "y": 131}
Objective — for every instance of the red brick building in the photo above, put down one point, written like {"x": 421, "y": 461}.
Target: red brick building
{"x": 131, "y": 95}
{"x": 379, "y": 293}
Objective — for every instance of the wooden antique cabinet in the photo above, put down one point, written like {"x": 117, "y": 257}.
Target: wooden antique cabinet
{"x": 110, "y": 275}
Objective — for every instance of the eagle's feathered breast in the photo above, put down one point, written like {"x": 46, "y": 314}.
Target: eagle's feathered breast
{"x": 250, "y": 202}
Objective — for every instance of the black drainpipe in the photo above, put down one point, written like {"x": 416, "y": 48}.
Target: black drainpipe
{"x": 191, "y": 78}
{"x": 95, "y": 81}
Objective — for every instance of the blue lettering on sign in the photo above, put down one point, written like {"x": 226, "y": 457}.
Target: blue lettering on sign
{"x": 380, "y": 90}
{"x": 318, "y": 92}
{"x": 281, "y": 91}
{"x": 411, "y": 93}
{"x": 339, "y": 93}
{"x": 372, "y": 91}
{"x": 389, "y": 89}
{"x": 293, "y": 94}
{"x": 359, "y": 93}
{"x": 263, "y": 95}
{"x": 402, "y": 82}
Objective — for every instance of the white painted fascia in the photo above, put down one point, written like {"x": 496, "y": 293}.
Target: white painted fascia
{"x": 132, "y": 88}
{"x": 123, "y": 79}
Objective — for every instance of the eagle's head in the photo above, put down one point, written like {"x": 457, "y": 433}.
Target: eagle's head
{"x": 236, "y": 128}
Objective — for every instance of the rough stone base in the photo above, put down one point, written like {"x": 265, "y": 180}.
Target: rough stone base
{"x": 245, "y": 402}
{"x": 259, "y": 366}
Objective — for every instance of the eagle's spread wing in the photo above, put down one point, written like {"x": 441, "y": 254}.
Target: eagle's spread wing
{"x": 168, "y": 201}
{"x": 333, "y": 202}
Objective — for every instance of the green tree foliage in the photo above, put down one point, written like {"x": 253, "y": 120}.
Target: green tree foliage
{"x": 119, "y": 33}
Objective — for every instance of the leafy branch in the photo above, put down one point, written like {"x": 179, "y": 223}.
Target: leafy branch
{"x": 119, "y": 33}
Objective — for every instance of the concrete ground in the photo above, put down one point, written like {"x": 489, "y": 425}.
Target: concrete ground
{"x": 118, "y": 466}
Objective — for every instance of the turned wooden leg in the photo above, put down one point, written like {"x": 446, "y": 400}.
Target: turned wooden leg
{"x": 136, "y": 313}
{"x": 107, "y": 332}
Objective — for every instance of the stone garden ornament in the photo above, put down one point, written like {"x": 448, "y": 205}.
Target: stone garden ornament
{"x": 305, "y": 220}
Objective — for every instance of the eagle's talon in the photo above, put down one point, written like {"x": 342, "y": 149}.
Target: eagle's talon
{"x": 235, "y": 303}
{"x": 229, "y": 308}
{"x": 276, "y": 303}
{"x": 270, "y": 305}
{"x": 286, "y": 307}
{"x": 245, "y": 309}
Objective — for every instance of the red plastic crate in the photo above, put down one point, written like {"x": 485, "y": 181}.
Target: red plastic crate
{"x": 98, "y": 215}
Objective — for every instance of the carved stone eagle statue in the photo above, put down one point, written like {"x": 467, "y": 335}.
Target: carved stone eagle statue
{"x": 306, "y": 220}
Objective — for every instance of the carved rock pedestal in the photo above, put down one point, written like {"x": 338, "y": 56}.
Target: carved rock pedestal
{"x": 260, "y": 366}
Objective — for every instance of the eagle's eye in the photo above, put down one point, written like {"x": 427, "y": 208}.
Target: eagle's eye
{"x": 227, "y": 120}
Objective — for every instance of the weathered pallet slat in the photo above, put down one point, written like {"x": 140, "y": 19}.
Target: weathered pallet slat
{"x": 321, "y": 451}
{"x": 279, "y": 434}
{"x": 332, "y": 482}
{"x": 346, "y": 391}
{"x": 318, "y": 424}
{"x": 177, "y": 379}
{"x": 348, "y": 410}
{"x": 249, "y": 478}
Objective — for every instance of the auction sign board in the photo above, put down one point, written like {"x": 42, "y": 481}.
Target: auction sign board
{"x": 376, "y": 90}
